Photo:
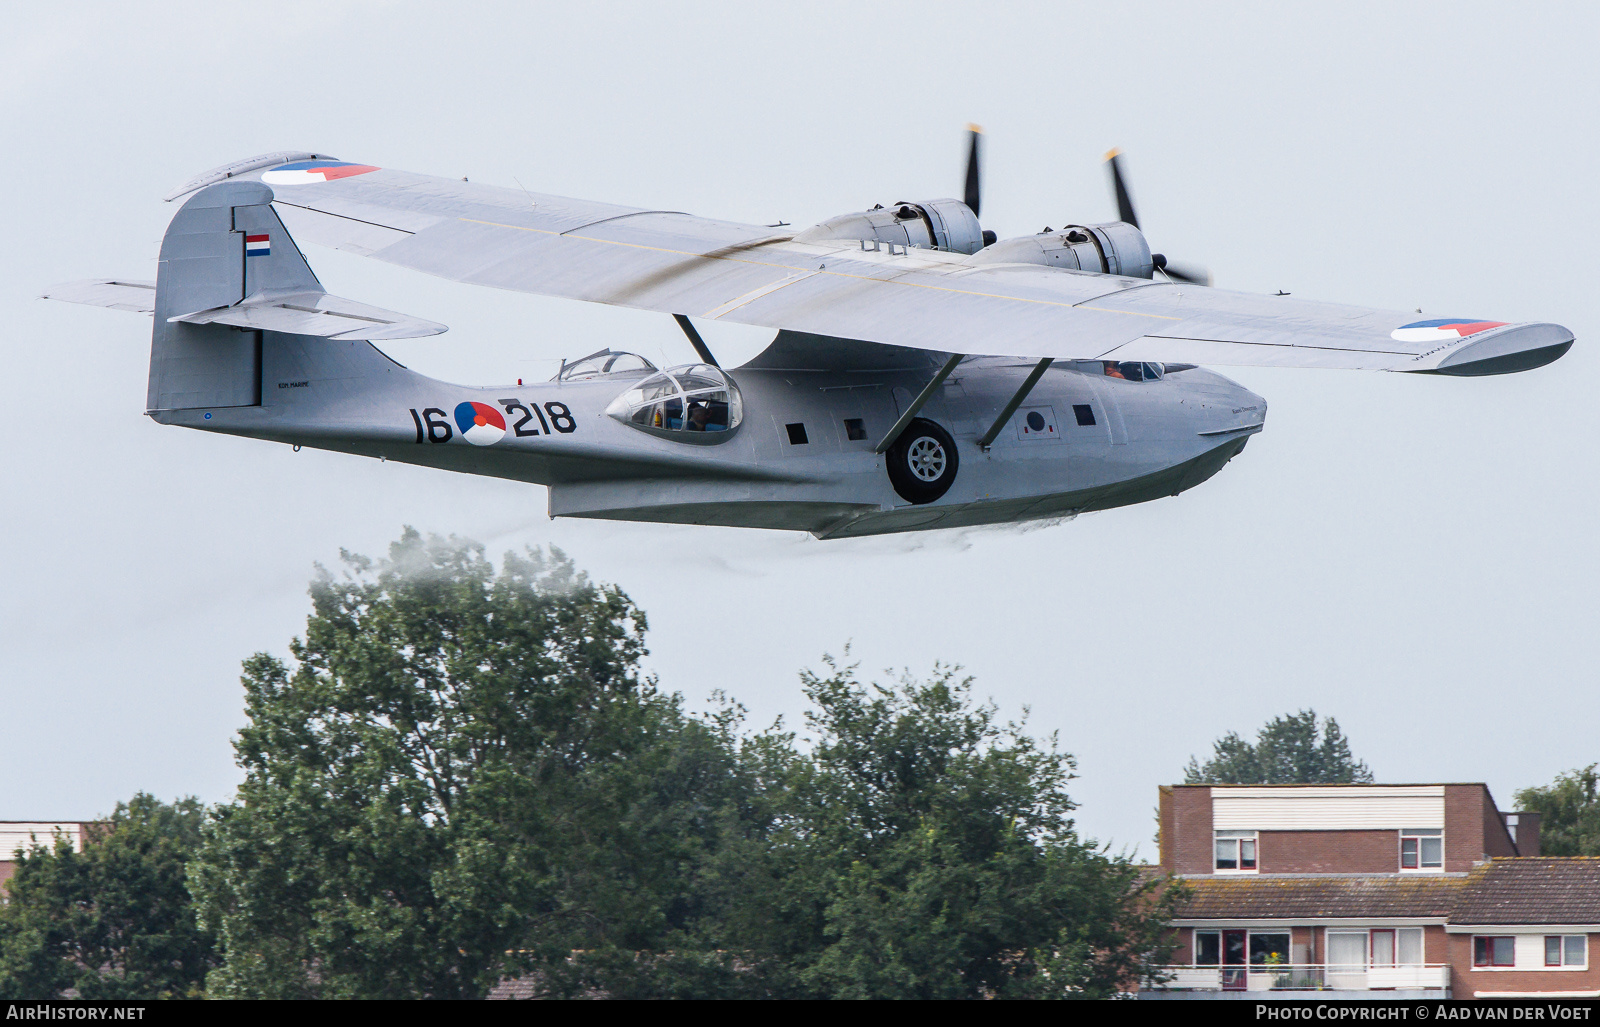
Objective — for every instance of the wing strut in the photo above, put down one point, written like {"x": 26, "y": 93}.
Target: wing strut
{"x": 916, "y": 404}
{"x": 1005, "y": 415}
{"x": 698, "y": 343}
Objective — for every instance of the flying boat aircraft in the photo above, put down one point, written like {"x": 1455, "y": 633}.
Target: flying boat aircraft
{"x": 924, "y": 374}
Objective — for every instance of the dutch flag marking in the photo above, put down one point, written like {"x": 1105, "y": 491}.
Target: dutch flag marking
{"x": 258, "y": 245}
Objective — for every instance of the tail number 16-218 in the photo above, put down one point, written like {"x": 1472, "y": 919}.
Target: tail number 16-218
{"x": 433, "y": 423}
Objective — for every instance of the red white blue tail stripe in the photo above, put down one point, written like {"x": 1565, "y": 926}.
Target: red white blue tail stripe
{"x": 258, "y": 245}
{"x": 305, "y": 172}
{"x": 1445, "y": 329}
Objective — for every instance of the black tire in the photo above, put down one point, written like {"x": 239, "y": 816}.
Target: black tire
{"x": 922, "y": 462}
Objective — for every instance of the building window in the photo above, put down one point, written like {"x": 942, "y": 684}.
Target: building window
{"x": 1235, "y": 947}
{"x": 1236, "y": 850}
{"x": 1566, "y": 950}
{"x": 1396, "y": 946}
{"x": 1347, "y": 950}
{"x": 1421, "y": 848}
{"x": 1269, "y": 949}
{"x": 1408, "y": 946}
{"x": 1500, "y": 950}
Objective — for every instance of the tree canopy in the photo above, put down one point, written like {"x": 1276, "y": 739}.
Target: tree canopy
{"x": 113, "y": 921}
{"x": 1287, "y": 750}
{"x": 462, "y": 775}
{"x": 920, "y": 848}
{"x": 1569, "y": 809}
{"x": 460, "y": 764}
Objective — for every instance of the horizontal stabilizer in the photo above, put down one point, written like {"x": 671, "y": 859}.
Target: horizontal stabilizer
{"x": 316, "y": 313}
{"x": 304, "y": 313}
{"x": 116, "y": 293}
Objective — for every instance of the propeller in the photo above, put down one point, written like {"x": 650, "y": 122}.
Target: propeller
{"x": 973, "y": 195}
{"x": 1191, "y": 273}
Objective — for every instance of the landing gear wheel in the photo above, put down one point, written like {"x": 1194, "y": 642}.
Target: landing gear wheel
{"x": 922, "y": 462}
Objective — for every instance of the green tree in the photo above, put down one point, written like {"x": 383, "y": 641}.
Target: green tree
{"x": 1286, "y": 751}
{"x": 1569, "y": 811}
{"x": 113, "y": 921}
{"x": 462, "y": 772}
{"x": 461, "y": 775}
{"x": 922, "y": 849}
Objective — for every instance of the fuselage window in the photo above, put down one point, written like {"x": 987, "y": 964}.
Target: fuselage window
{"x": 797, "y": 433}
{"x": 1084, "y": 413}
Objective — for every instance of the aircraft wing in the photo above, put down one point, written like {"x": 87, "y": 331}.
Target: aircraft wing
{"x": 677, "y": 263}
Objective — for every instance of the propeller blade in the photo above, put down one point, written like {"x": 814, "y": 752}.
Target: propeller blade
{"x": 973, "y": 196}
{"x": 1191, "y": 273}
{"x": 1124, "y": 202}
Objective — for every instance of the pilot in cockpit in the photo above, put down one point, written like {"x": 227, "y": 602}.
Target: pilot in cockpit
{"x": 699, "y": 414}
{"x": 1113, "y": 371}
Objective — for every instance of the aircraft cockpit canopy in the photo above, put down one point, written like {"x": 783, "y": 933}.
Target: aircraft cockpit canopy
{"x": 606, "y": 361}
{"x": 691, "y": 403}
{"x": 1133, "y": 370}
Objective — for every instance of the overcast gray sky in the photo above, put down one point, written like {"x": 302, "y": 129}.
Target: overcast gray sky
{"x": 1415, "y": 556}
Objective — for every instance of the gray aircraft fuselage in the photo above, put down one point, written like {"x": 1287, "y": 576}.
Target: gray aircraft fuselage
{"x": 1081, "y": 440}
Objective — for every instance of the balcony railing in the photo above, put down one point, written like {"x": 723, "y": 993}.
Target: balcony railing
{"x": 1306, "y": 977}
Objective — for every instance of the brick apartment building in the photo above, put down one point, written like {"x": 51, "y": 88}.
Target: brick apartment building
{"x": 1388, "y": 890}
{"x": 15, "y": 834}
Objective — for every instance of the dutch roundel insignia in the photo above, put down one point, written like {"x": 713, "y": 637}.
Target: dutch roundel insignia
{"x": 480, "y": 424}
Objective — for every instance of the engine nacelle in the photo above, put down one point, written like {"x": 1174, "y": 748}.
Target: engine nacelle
{"x": 1114, "y": 249}
{"x": 931, "y": 224}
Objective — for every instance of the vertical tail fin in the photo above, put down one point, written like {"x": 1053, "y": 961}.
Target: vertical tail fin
{"x": 224, "y": 245}
{"x": 272, "y": 261}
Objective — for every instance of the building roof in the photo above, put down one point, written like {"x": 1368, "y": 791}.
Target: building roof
{"x": 518, "y": 988}
{"x": 1522, "y": 890}
{"x": 1339, "y": 784}
{"x": 1531, "y": 890}
{"x": 1276, "y": 896}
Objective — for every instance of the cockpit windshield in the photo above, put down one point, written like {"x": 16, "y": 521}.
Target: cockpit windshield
{"x": 691, "y": 403}
{"x": 1133, "y": 370}
{"x": 605, "y": 361}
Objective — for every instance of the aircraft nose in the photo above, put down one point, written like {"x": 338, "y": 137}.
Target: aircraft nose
{"x": 1258, "y": 402}
{"x": 1245, "y": 414}
{"x": 1248, "y": 408}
